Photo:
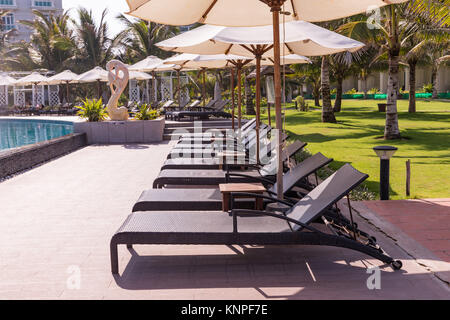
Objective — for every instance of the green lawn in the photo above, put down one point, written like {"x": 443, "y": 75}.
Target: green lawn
{"x": 359, "y": 129}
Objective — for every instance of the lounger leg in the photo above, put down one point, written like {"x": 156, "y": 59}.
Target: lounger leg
{"x": 114, "y": 258}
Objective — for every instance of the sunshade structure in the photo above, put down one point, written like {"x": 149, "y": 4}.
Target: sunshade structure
{"x": 141, "y": 76}
{"x": 97, "y": 74}
{"x": 238, "y": 13}
{"x": 299, "y": 37}
{"x": 203, "y": 62}
{"x": 64, "y": 77}
{"x": 6, "y": 80}
{"x": 146, "y": 65}
{"x": 31, "y": 79}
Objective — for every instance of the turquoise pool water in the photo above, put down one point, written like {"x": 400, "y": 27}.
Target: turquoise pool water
{"x": 20, "y": 132}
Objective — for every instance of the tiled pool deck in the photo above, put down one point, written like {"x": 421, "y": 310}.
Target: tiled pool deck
{"x": 57, "y": 220}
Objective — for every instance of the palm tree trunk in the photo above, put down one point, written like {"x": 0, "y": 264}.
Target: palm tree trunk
{"x": 327, "y": 109}
{"x": 249, "y": 107}
{"x": 391, "y": 130}
{"x": 434, "y": 80}
{"x": 338, "y": 101}
{"x": 412, "y": 87}
{"x": 316, "y": 93}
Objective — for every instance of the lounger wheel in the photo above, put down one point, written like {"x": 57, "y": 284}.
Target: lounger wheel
{"x": 397, "y": 264}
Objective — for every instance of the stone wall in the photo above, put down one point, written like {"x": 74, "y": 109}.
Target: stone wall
{"x": 122, "y": 132}
{"x": 19, "y": 159}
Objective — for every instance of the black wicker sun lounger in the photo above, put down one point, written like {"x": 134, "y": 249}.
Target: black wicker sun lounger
{"x": 211, "y": 199}
{"x": 212, "y": 148}
{"x": 211, "y": 132}
{"x": 249, "y": 227}
{"x": 215, "y": 163}
{"x": 215, "y": 177}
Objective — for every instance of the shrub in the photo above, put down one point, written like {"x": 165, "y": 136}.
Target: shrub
{"x": 146, "y": 113}
{"x": 333, "y": 91}
{"x": 301, "y": 103}
{"x": 92, "y": 110}
{"x": 374, "y": 91}
{"x": 428, "y": 88}
{"x": 352, "y": 91}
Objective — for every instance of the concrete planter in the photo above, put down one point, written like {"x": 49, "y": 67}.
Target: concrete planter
{"x": 121, "y": 132}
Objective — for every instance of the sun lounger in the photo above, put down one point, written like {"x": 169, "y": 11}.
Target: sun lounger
{"x": 215, "y": 163}
{"x": 249, "y": 227}
{"x": 216, "y": 177}
{"x": 219, "y": 134}
{"x": 211, "y": 132}
{"x": 211, "y": 199}
{"x": 216, "y": 111}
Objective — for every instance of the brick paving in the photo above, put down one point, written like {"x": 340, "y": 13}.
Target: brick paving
{"x": 427, "y": 221}
{"x": 57, "y": 221}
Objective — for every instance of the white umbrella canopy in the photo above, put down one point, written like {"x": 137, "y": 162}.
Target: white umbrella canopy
{"x": 6, "y": 80}
{"x": 146, "y": 65}
{"x": 96, "y": 74}
{"x": 197, "y": 61}
{"x": 240, "y": 13}
{"x": 299, "y": 37}
{"x": 63, "y": 77}
{"x": 34, "y": 78}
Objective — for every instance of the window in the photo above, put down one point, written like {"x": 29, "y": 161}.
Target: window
{"x": 43, "y": 3}
{"x": 7, "y": 2}
{"x": 8, "y": 22}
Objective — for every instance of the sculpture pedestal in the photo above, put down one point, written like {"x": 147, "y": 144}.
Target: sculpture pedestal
{"x": 122, "y": 132}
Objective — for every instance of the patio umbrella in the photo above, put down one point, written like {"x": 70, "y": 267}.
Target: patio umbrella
{"x": 299, "y": 36}
{"x": 32, "y": 79}
{"x": 97, "y": 74}
{"x": 146, "y": 65}
{"x": 240, "y": 13}
{"x": 203, "y": 62}
{"x": 6, "y": 80}
{"x": 66, "y": 77}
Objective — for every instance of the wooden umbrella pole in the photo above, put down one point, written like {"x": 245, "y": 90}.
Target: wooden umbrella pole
{"x": 258, "y": 103}
{"x": 98, "y": 89}
{"x": 179, "y": 89}
{"x": 67, "y": 91}
{"x": 276, "y": 8}
{"x": 204, "y": 87}
{"x": 232, "y": 97}
{"x": 239, "y": 69}
{"x": 154, "y": 98}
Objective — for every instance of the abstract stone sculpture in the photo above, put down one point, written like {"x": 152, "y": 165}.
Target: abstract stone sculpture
{"x": 118, "y": 76}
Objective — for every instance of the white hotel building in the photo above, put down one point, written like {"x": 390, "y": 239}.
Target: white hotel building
{"x": 23, "y": 10}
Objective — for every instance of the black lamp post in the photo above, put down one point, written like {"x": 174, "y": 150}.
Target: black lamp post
{"x": 385, "y": 153}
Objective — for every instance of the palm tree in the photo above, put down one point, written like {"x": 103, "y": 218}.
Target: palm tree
{"x": 52, "y": 41}
{"x": 309, "y": 74}
{"x": 343, "y": 65}
{"x": 327, "y": 108}
{"x": 388, "y": 34}
{"x": 139, "y": 38}
{"x": 95, "y": 47}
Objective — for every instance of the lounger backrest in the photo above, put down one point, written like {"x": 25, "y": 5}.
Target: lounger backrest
{"x": 309, "y": 208}
{"x": 194, "y": 104}
{"x": 292, "y": 149}
{"x": 167, "y": 104}
{"x": 248, "y": 124}
{"x": 301, "y": 171}
{"x": 211, "y": 103}
{"x": 221, "y": 105}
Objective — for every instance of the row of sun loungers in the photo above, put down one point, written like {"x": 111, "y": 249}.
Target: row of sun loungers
{"x": 193, "y": 216}
{"x": 194, "y": 111}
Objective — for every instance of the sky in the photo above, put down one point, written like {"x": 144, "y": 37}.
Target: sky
{"x": 114, "y": 8}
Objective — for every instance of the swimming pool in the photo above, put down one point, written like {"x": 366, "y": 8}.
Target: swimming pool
{"x": 20, "y": 132}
